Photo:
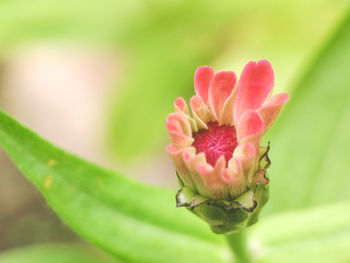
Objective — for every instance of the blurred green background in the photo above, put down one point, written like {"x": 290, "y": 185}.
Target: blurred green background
{"x": 98, "y": 78}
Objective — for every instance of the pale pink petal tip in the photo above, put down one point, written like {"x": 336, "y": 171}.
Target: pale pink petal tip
{"x": 185, "y": 125}
{"x": 204, "y": 168}
{"x": 220, "y": 163}
{"x": 201, "y": 113}
{"x": 279, "y": 98}
{"x": 202, "y": 79}
{"x": 180, "y": 105}
{"x": 244, "y": 152}
{"x": 179, "y": 139}
{"x": 195, "y": 103}
{"x": 220, "y": 89}
{"x": 179, "y": 130}
{"x": 231, "y": 174}
{"x": 172, "y": 149}
{"x": 226, "y": 177}
{"x": 255, "y": 85}
{"x": 250, "y": 124}
{"x": 174, "y": 126}
{"x": 271, "y": 109}
{"x": 188, "y": 156}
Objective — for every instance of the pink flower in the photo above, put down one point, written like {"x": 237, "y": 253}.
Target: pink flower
{"x": 216, "y": 149}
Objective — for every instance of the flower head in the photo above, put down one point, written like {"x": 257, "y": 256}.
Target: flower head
{"x": 216, "y": 149}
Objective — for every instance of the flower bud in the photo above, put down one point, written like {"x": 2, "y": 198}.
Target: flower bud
{"x": 216, "y": 150}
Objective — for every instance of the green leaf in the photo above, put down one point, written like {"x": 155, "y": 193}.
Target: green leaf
{"x": 132, "y": 221}
{"x": 54, "y": 253}
{"x": 319, "y": 235}
{"x": 310, "y": 142}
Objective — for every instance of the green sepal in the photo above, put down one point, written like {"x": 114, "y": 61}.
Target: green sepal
{"x": 246, "y": 201}
{"x": 225, "y": 215}
{"x": 261, "y": 194}
{"x": 184, "y": 197}
{"x": 264, "y": 160}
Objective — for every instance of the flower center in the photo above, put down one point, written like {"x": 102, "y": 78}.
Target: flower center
{"x": 216, "y": 141}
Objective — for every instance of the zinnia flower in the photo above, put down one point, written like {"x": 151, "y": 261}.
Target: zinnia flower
{"x": 216, "y": 149}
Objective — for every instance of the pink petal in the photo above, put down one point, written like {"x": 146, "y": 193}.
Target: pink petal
{"x": 196, "y": 103}
{"x": 201, "y": 113}
{"x": 186, "y": 127}
{"x": 250, "y": 124}
{"x": 248, "y": 155}
{"x": 174, "y": 126}
{"x": 271, "y": 109}
{"x": 235, "y": 177}
{"x": 176, "y": 154}
{"x": 180, "y": 105}
{"x": 205, "y": 168}
{"x": 220, "y": 89}
{"x": 182, "y": 109}
{"x": 232, "y": 173}
{"x": 202, "y": 79}
{"x": 180, "y": 139}
{"x": 220, "y": 164}
{"x": 181, "y": 168}
{"x": 212, "y": 177}
{"x": 177, "y": 132}
{"x": 227, "y": 112}
{"x": 173, "y": 150}
{"x": 245, "y": 152}
{"x": 255, "y": 85}
{"x": 192, "y": 160}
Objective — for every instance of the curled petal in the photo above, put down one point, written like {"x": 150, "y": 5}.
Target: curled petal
{"x": 201, "y": 113}
{"x": 245, "y": 152}
{"x": 220, "y": 164}
{"x": 177, "y": 152}
{"x": 180, "y": 139}
{"x": 182, "y": 109}
{"x": 186, "y": 127}
{"x": 250, "y": 124}
{"x": 192, "y": 160}
{"x": 214, "y": 185}
{"x": 227, "y": 112}
{"x": 235, "y": 177}
{"x": 231, "y": 174}
{"x": 181, "y": 168}
{"x": 174, "y": 126}
{"x": 176, "y": 132}
{"x": 180, "y": 105}
{"x": 220, "y": 89}
{"x": 271, "y": 109}
{"x": 217, "y": 187}
{"x": 255, "y": 85}
{"x": 205, "y": 168}
{"x": 248, "y": 156}
{"x": 202, "y": 79}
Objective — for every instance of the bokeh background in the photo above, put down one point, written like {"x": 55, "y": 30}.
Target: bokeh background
{"x": 98, "y": 78}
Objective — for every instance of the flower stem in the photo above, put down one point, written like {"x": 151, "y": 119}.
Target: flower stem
{"x": 238, "y": 244}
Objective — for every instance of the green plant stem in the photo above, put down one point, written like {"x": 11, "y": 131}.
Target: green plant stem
{"x": 238, "y": 243}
